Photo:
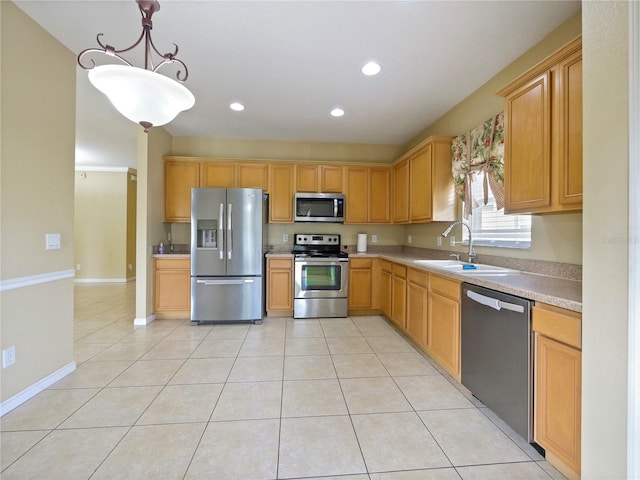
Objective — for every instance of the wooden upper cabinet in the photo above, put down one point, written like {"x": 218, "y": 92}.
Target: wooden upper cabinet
{"x": 179, "y": 179}
{"x": 217, "y": 174}
{"x": 379, "y": 195}
{"x": 307, "y": 178}
{"x": 252, "y": 175}
{"x": 420, "y": 185}
{"x": 401, "y": 192}
{"x": 281, "y": 178}
{"x": 356, "y": 180}
{"x": 331, "y": 179}
{"x": 570, "y": 140}
{"x": 367, "y": 191}
{"x": 319, "y": 178}
{"x": 543, "y": 135}
{"x": 423, "y": 188}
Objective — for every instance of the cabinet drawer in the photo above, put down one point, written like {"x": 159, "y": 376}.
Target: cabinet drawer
{"x": 557, "y": 323}
{"x": 360, "y": 262}
{"x": 418, "y": 277}
{"x": 286, "y": 263}
{"x": 399, "y": 270}
{"x": 444, "y": 286}
{"x": 385, "y": 266}
{"x": 173, "y": 264}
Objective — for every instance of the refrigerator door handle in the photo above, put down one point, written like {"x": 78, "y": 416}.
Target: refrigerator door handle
{"x": 221, "y": 230}
{"x": 230, "y": 227}
{"x": 226, "y": 281}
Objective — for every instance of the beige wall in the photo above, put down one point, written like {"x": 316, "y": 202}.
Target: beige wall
{"x": 606, "y": 240}
{"x": 37, "y": 162}
{"x": 280, "y": 150}
{"x": 103, "y": 234}
{"x": 556, "y": 238}
{"x": 150, "y": 228}
{"x": 132, "y": 190}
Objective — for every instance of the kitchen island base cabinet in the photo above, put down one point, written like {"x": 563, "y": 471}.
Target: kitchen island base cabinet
{"x": 280, "y": 287}
{"x": 557, "y": 385}
{"x": 172, "y": 296}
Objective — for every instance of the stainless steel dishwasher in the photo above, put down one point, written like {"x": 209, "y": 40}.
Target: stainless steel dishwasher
{"x": 496, "y": 354}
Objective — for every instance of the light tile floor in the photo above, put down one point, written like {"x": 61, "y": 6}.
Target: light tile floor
{"x": 347, "y": 399}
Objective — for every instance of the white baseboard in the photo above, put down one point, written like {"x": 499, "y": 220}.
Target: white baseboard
{"x": 100, "y": 280}
{"x": 145, "y": 321}
{"x": 29, "y": 392}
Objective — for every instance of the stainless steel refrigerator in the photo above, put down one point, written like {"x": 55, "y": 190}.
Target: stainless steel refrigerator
{"x": 228, "y": 233}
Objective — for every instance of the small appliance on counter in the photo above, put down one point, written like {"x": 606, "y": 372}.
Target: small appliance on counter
{"x": 228, "y": 231}
{"x": 320, "y": 276}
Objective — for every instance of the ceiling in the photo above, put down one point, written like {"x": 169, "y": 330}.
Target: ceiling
{"x": 291, "y": 62}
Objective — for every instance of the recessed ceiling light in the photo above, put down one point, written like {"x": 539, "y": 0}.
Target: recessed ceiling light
{"x": 371, "y": 68}
{"x": 238, "y": 107}
{"x": 337, "y": 112}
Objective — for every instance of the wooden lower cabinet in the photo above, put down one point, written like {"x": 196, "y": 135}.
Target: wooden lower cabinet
{"x": 279, "y": 287}
{"x": 557, "y": 385}
{"x": 360, "y": 284}
{"x": 443, "y": 323}
{"x": 399, "y": 295}
{"x": 417, "y": 301}
{"x": 172, "y": 296}
{"x": 385, "y": 287}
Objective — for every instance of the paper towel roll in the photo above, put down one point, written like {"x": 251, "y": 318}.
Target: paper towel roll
{"x": 362, "y": 243}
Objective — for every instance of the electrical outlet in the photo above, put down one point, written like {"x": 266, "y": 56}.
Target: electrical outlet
{"x": 285, "y": 237}
{"x": 52, "y": 241}
{"x": 8, "y": 356}
{"x": 374, "y": 238}
{"x": 78, "y": 267}
{"x": 452, "y": 241}
{"x": 409, "y": 238}
{"x": 439, "y": 240}
{"x": 130, "y": 267}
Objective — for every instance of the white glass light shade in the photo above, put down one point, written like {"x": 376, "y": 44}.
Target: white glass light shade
{"x": 141, "y": 95}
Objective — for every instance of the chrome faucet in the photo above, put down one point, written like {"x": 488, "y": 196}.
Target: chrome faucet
{"x": 471, "y": 256}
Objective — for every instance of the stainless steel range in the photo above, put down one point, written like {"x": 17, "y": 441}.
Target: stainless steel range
{"x": 321, "y": 276}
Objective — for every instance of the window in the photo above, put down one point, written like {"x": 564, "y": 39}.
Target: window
{"x": 491, "y": 227}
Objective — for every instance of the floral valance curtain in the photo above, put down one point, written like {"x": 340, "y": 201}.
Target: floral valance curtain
{"x": 480, "y": 151}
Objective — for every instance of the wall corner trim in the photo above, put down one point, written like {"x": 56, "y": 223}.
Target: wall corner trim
{"x": 31, "y": 280}
{"x": 145, "y": 321}
{"x": 29, "y": 392}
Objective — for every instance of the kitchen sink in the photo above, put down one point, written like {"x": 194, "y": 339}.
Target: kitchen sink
{"x": 465, "y": 268}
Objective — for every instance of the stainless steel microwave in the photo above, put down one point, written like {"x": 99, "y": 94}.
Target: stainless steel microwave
{"x": 319, "y": 207}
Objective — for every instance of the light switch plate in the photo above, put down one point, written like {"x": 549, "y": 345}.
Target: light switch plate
{"x": 52, "y": 241}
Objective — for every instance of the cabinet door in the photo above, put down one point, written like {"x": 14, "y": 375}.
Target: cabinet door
{"x": 252, "y": 175}
{"x": 281, "y": 193}
{"x": 172, "y": 286}
{"x": 401, "y": 192}
{"x": 217, "y": 174}
{"x": 280, "y": 286}
{"x": 399, "y": 296}
{"x": 527, "y": 166}
{"x": 307, "y": 178}
{"x": 443, "y": 337}
{"x": 417, "y": 301}
{"x": 357, "y": 193}
{"x": 331, "y": 179}
{"x": 570, "y": 135}
{"x": 379, "y": 195}
{"x": 360, "y": 284}
{"x": 385, "y": 292}
{"x": 179, "y": 179}
{"x": 420, "y": 185}
{"x": 558, "y": 373}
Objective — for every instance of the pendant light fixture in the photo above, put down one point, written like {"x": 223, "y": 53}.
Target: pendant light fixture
{"x": 141, "y": 94}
